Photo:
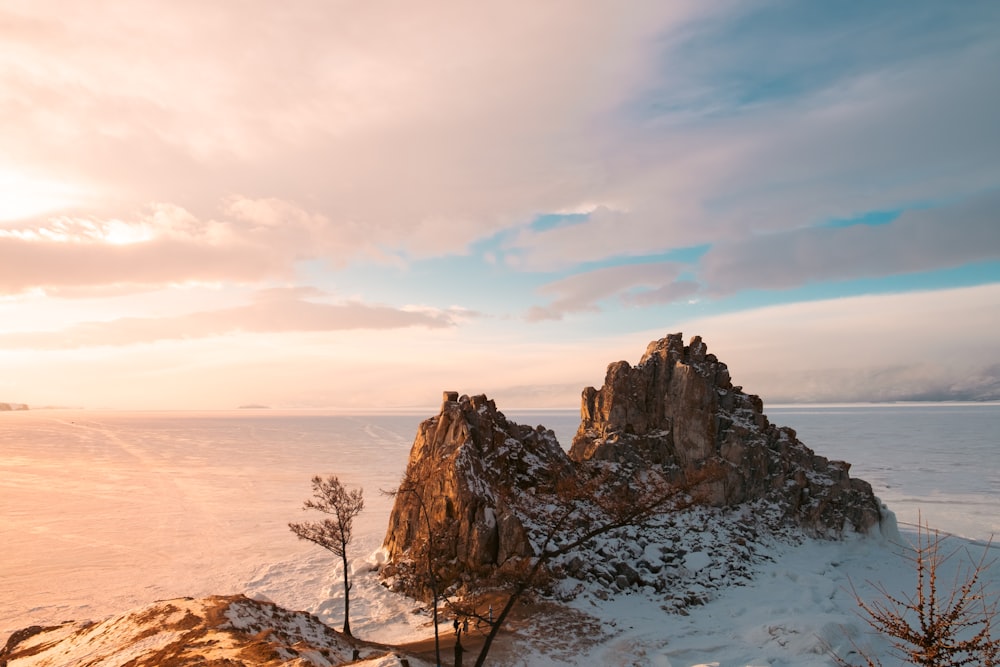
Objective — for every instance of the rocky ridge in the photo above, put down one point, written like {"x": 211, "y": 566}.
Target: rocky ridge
{"x": 219, "y": 630}
{"x": 476, "y": 483}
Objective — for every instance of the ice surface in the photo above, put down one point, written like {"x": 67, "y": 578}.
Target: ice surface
{"x": 105, "y": 512}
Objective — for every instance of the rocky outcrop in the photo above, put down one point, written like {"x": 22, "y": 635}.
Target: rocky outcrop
{"x": 676, "y": 413}
{"x": 679, "y": 409}
{"x": 463, "y": 463}
{"x": 219, "y": 630}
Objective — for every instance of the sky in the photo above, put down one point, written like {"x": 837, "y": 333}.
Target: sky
{"x": 352, "y": 205}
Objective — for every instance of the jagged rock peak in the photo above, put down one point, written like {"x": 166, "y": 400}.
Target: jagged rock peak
{"x": 679, "y": 409}
{"x": 459, "y": 462}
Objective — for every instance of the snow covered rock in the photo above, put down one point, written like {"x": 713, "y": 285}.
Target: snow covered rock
{"x": 478, "y": 487}
{"x": 218, "y": 630}
{"x": 679, "y": 409}
{"x": 459, "y": 460}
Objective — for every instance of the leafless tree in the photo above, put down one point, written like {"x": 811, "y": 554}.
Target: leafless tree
{"x": 933, "y": 627}
{"x": 333, "y": 533}
{"x": 431, "y": 551}
{"x": 579, "y": 509}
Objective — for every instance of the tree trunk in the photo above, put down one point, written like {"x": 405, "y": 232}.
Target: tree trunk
{"x": 495, "y": 628}
{"x": 437, "y": 639}
{"x": 347, "y": 597}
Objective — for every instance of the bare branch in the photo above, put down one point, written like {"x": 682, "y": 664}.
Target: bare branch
{"x": 334, "y": 533}
{"x": 949, "y": 629}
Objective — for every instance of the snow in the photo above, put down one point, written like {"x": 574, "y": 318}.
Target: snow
{"x": 797, "y": 607}
{"x": 793, "y": 612}
{"x": 186, "y": 631}
{"x": 112, "y": 643}
{"x": 696, "y": 561}
{"x": 119, "y": 511}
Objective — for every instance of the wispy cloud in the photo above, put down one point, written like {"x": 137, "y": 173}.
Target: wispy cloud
{"x": 922, "y": 240}
{"x": 254, "y": 240}
{"x": 630, "y": 284}
{"x": 274, "y": 311}
{"x": 894, "y": 133}
{"x": 891, "y": 347}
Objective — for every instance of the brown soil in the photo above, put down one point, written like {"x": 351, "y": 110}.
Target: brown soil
{"x": 554, "y": 629}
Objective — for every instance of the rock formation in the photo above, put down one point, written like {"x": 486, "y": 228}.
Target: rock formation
{"x": 462, "y": 462}
{"x": 219, "y": 630}
{"x": 676, "y": 412}
{"x": 678, "y": 408}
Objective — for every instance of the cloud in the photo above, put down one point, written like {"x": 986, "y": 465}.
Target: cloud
{"x": 255, "y": 240}
{"x": 886, "y": 347}
{"x": 890, "y": 132}
{"x": 690, "y": 121}
{"x": 37, "y": 264}
{"x": 928, "y": 239}
{"x": 892, "y": 347}
{"x": 166, "y": 152}
{"x": 274, "y": 311}
{"x": 47, "y": 265}
{"x": 366, "y": 115}
{"x": 923, "y": 240}
{"x": 633, "y": 284}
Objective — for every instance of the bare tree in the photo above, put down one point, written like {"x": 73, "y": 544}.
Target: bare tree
{"x": 333, "y": 533}
{"x": 933, "y": 627}
{"x": 577, "y": 512}
{"x": 431, "y": 551}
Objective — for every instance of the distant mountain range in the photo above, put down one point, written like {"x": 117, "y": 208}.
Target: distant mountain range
{"x": 7, "y": 407}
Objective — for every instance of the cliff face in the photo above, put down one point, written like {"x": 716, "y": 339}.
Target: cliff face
{"x": 676, "y": 412}
{"x": 462, "y": 463}
{"x": 678, "y": 408}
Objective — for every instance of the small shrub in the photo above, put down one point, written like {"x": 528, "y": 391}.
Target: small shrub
{"x": 935, "y": 626}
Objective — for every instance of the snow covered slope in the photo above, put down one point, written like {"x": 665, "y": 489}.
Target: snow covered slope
{"x": 231, "y": 630}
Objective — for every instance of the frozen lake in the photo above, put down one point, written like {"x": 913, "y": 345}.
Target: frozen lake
{"x": 105, "y": 511}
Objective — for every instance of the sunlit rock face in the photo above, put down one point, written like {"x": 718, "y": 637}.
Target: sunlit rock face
{"x": 460, "y": 462}
{"x": 679, "y": 409}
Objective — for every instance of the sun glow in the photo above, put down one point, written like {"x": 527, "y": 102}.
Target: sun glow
{"x": 22, "y": 196}
{"x": 83, "y": 230}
